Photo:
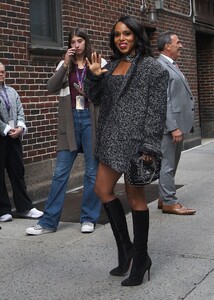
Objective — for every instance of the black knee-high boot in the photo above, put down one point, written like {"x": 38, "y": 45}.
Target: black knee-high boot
{"x": 117, "y": 219}
{"x": 141, "y": 260}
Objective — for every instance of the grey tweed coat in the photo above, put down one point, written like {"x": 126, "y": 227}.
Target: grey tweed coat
{"x": 132, "y": 112}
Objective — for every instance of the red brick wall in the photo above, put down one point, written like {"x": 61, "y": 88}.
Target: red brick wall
{"x": 29, "y": 79}
{"x": 28, "y": 74}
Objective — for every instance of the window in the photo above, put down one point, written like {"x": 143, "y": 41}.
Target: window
{"x": 45, "y": 24}
{"x": 204, "y": 11}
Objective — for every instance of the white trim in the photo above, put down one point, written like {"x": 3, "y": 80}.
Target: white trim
{"x": 64, "y": 92}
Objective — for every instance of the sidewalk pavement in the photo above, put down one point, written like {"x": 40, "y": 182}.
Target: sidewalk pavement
{"x": 68, "y": 265}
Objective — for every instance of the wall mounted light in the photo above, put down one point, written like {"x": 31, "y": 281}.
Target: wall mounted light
{"x": 159, "y": 4}
{"x": 151, "y": 9}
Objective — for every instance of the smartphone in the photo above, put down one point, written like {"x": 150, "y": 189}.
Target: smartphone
{"x": 77, "y": 87}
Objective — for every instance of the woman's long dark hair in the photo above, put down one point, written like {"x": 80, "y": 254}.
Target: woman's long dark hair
{"x": 142, "y": 44}
{"x": 83, "y": 34}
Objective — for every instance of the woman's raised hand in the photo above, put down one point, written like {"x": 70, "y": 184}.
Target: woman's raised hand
{"x": 95, "y": 64}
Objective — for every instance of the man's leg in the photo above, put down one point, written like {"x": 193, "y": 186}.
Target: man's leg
{"x": 167, "y": 189}
{"x": 5, "y": 206}
{"x": 15, "y": 170}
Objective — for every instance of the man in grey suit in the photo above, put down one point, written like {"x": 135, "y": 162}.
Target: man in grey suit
{"x": 180, "y": 115}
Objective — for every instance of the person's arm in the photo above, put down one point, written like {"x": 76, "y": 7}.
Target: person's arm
{"x": 55, "y": 83}
{"x": 171, "y": 123}
{"x": 156, "y": 112}
{"x": 4, "y": 128}
{"x": 20, "y": 114}
{"x": 94, "y": 78}
{"x": 20, "y": 128}
{"x": 16, "y": 127}
{"x": 93, "y": 87}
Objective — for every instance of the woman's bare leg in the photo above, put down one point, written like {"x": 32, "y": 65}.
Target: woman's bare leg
{"x": 104, "y": 187}
{"x": 105, "y": 182}
{"x": 136, "y": 197}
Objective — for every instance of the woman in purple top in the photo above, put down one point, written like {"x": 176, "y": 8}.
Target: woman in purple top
{"x": 74, "y": 136}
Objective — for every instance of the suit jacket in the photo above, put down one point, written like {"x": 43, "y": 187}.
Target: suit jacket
{"x": 180, "y": 101}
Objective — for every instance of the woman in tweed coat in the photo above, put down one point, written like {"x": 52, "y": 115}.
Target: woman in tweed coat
{"x": 132, "y": 94}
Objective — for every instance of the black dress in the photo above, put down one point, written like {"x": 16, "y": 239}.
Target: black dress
{"x": 113, "y": 143}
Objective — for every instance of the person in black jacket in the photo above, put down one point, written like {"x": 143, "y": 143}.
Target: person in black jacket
{"x": 12, "y": 127}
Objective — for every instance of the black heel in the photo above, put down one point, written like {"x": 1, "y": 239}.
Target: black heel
{"x": 149, "y": 273}
{"x": 137, "y": 274}
{"x": 117, "y": 219}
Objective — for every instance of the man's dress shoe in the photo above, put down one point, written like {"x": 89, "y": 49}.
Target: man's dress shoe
{"x": 176, "y": 209}
{"x": 160, "y": 204}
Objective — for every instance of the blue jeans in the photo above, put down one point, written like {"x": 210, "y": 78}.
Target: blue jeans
{"x": 91, "y": 205}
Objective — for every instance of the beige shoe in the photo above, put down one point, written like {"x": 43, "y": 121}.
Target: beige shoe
{"x": 160, "y": 204}
{"x": 177, "y": 209}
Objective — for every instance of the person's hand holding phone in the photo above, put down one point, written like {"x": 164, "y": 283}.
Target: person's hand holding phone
{"x": 69, "y": 55}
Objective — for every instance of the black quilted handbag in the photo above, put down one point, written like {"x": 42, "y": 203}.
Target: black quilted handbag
{"x": 140, "y": 173}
